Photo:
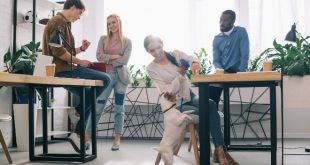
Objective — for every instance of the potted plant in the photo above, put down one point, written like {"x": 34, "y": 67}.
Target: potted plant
{"x": 134, "y": 76}
{"x": 205, "y": 63}
{"x": 21, "y": 62}
{"x": 146, "y": 78}
{"x": 291, "y": 59}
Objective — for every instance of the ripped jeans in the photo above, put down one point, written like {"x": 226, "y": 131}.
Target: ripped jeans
{"x": 86, "y": 73}
{"x": 119, "y": 89}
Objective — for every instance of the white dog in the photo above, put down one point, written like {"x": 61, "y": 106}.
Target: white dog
{"x": 174, "y": 124}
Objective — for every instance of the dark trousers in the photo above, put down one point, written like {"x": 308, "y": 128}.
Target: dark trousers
{"x": 216, "y": 92}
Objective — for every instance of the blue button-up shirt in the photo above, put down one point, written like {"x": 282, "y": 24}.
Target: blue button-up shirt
{"x": 231, "y": 52}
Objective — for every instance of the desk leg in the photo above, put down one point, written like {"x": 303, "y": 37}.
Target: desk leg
{"x": 31, "y": 123}
{"x": 82, "y": 121}
{"x": 226, "y": 117}
{"x": 44, "y": 120}
{"x": 282, "y": 121}
{"x": 93, "y": 121}
{"x": 204, "y": 124}
{"x": 273, "y": 121}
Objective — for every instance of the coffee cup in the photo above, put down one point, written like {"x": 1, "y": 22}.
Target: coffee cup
{"x": 50, "y": 70}
{"x": 267, "y": 66}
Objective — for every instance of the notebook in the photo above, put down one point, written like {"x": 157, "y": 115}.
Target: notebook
{"x": 42, "y": 60}
{"x": 99, "y": 66}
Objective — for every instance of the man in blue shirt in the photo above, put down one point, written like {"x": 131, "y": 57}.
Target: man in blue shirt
{"x": 230, "y": 49}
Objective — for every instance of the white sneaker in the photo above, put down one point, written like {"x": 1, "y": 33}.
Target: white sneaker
{"x": 72, "y": 115}
{"x": 75, "y": 142}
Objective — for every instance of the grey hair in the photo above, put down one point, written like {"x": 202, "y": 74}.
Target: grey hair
{"x": 150, "y": 38}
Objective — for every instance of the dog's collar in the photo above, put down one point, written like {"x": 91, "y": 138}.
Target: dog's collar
{"x": 169, "y": 108}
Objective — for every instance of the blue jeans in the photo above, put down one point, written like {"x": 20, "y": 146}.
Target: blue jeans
{"x": 86, "y": 73}
{"x": 119, "y": 89}
{"x": 215, "y": 125}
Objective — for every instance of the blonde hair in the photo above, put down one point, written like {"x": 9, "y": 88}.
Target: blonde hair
{"x": 121, "y": 37}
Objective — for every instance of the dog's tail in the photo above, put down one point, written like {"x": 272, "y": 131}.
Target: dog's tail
{"x": 156, "y": 149}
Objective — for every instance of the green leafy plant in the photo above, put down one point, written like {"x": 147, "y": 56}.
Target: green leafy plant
{"x": 135, "y": 75}
{"x": 290, "y": 59}
{"x": 205, "y": 63}
{"x": 21, "y": 62}
{"x": 256, "y": 63}
{"x": 146, "y": 78}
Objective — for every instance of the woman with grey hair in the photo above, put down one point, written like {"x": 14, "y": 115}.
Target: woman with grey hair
{"x": 168, "y": 70}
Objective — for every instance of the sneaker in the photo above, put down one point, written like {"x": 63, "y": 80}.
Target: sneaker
{"x": 75, "y": 142}
{"x": 73, "y": 117}
{"x": 115, "y": 147}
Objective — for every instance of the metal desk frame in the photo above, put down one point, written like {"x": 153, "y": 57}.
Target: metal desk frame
{"x": 46, "y": 156}
{"x": 232, "y": 80}
{"x": 33, "y": 82}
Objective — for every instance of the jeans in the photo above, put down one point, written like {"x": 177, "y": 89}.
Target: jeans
{"x": 215, "y": 125}
{"x": 119, "y": 89}
{"x": 216, "y": 92}
{"x": 86, "y": 73}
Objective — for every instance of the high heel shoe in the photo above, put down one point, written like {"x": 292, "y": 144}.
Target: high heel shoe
{"x": 219, "y": 156}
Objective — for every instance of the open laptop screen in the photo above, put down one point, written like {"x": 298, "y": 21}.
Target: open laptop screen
{"x": 42, "y": 60}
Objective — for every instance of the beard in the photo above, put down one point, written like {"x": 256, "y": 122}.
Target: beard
{"x": 226, "y": 28}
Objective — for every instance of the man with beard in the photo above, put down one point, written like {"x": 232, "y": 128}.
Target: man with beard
{"x": 230, "y": 49}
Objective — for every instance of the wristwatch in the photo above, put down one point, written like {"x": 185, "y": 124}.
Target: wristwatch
{"x": 81, "y": 48}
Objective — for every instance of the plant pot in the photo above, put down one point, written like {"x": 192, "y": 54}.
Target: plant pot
{"x": 21, "y": 115}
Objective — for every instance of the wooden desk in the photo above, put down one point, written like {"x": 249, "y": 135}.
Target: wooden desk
{"x": 244, "y": 79}
{"x": 33, "y": 82}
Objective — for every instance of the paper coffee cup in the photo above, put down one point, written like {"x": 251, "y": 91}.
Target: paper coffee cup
{"x": 50, "y": 69}
{"x": 267, "y": 66}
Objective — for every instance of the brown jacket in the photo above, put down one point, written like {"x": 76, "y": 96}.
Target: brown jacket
{"x": 58, "y": 21}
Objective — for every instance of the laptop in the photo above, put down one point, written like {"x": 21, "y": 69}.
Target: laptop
{"x": 42, "y": 60}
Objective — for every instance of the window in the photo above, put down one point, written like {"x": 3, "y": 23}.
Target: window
{"x": 186, "y": 25}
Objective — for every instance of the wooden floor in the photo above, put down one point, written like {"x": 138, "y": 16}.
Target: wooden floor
{"x": 139, "y": 152}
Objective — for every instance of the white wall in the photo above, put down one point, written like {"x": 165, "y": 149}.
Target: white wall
{"x": 5, "y": 42}
{"x": 91, "y": 26}
{"x": 6, "y": 23}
